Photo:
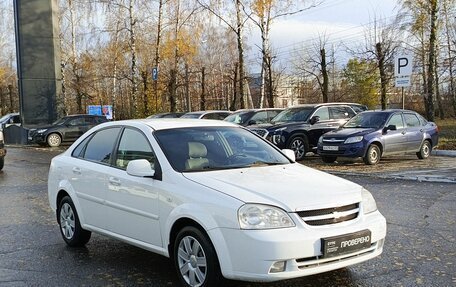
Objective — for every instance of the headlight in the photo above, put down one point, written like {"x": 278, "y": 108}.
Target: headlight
{"x": 320, "y": 139}
{"x": 354, "y": 139}
{"x": 1, "y": 136}
{"x": 259, "y": 216}
{"x": 369, "y": 204}
{"x": 40, "y": 131}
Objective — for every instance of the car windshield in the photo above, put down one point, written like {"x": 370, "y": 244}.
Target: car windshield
{"x": 367, "y": 120}
{"x": 293, "y": 115}
{"x": 192, "y": 116}
{"x": 59, "y": 121}
{"x": 239, "y": 117}
{"x": 216, "y": 148}
{"x": 4, "y": 118}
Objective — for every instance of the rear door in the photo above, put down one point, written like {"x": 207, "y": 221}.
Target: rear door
{"x": 415, "y": 132}
{"x": 88, "y": 174}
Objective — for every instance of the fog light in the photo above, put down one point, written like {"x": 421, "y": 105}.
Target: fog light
{"x": 278, "y": 266}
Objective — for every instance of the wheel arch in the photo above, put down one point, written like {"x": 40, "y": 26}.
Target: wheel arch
{"x": 377, "y": 143}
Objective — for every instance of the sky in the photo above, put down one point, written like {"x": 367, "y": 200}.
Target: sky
{"x": 338, "y": 20}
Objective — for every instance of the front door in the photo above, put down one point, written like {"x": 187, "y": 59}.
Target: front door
{"x": 133, "y": 201}
{"x": 395, "y": 140}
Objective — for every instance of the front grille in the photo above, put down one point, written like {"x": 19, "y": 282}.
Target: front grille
{"x": 333, "y": 140}
{"x": 332, "y": 215}
{"x": 261, "y": 132}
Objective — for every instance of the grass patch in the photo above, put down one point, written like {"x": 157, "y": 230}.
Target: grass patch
{"x": 447, "y": 134}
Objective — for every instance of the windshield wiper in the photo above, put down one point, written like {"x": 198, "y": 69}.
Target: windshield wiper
{"x": 263, "y": 163}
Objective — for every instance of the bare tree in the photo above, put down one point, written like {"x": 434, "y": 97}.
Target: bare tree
{"x": 314, "y": 62}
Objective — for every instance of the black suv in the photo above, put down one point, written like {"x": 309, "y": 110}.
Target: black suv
{"x": 67, "y": 129}
{"x": 299, "y": 128}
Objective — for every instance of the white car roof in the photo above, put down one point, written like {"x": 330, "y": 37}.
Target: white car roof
{"x": 169, "y": 123}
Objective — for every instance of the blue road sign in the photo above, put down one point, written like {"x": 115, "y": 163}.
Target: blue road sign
{"x": 154, "y": 74}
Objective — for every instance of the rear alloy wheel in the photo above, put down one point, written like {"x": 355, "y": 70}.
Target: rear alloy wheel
{"x": 328, "y": 159}
{"x": 373, "y": 155}
{"x": 425, "y": 150}
{"x": 195, "y": 259}
{"x": 2, "y": 162}
{"x": 54, "y": 140}
{"x": 299, "y": 145}
{"x": 70, "y": 227}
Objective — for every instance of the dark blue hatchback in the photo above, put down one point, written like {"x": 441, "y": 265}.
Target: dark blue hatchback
{"x": 373, "y": 134}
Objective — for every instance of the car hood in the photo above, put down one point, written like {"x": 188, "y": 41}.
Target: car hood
{"x": 348, "y": 132}
{"x": 275, "y": 126}
{"x": 293, "y": 187}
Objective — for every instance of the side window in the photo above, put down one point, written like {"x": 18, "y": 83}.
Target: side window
{"x": 133, "y": 145}
{"x": 272, "y": 114}
{"x": 323, "y": 113}
{"x": 411, "y": 120}
{"x": 396, "y": 120}
{"x": 350, "y": 111}
{"x": 338, "y": 113}
{"x": 100, "y": 147}
{"x": 260, "y": 117}
{"x": 79, "y": 150}
{"x": 76, "y": 122}
{"x": 17, "y": 119}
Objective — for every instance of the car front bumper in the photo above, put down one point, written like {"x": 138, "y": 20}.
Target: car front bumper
{"x": 249, "y": 254}
{"x": 343, "y": 150}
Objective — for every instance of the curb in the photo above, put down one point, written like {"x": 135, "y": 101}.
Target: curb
{"x": 449, "y": 153}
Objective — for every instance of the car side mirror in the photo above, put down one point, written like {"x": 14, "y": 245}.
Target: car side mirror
{"x": 390, "y": 128}
{"x": 290, "y": 154}
{"x": 140, "y": 168}
{"x": 314, "y": 120}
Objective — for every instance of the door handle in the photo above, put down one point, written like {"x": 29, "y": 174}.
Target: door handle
{"x": 114, "y": 181}
{"x": 76, "y": 170}
{"x": 403, "y": 132}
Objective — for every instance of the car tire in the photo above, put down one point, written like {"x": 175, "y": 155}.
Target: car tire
{"x": 70, "y": 227}
{"x": 2, "y": 162}
{"x": 425, "y": 150}
{"x": 195, "y": 259}
{"x": 53, "y": 140}
{"x": 373, "y": 155}
{"x": 328, "y": 159}
{"x": 300, "y": 145}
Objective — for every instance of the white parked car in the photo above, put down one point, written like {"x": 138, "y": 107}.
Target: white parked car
{"x": 214, "y": 197}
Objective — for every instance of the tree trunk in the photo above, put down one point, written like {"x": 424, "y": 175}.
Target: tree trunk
{"x": 240, "y": 53}
{"x": 187, "y": 89}
{"x": 235, "y": 81}
{"x": 432, "y": 51}
{"x": 203, "y": 89}
{"x": 382, "y": 71}
{"x": 157, "y": 51}
{"x": 145, "y": 93}
{"x": 134, "y": 67}
{"x": 450, "y": 57}
{"x": 270, "y": 83}
{"x": 324, "y": 71}
{"x": 437, "y": 92}
{"x": 172, "y": 90}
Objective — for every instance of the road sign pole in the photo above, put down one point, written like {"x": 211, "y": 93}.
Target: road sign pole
{"x": 403, "y": 99}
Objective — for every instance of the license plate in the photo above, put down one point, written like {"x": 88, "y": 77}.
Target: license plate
{"x": 330, "y": 147}
{"x": 344, "y": 244}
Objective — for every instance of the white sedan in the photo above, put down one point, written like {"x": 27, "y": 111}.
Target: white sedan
{"x": 214, "y": 197}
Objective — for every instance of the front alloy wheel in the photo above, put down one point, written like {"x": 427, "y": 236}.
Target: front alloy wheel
{"x": 299, "y": 145}
{"x": 54, "y": 140}
{"x": 195, "y": 259}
